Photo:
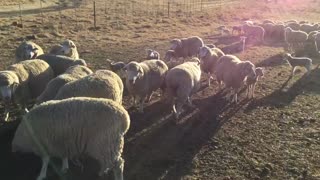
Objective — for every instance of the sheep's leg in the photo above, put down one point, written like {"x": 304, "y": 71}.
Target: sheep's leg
{"x": 43, "y": 172}
{"x": 141, "y": 104}
{"x": 149, "y": 96}
{"x": 248, "y": 90}
{"x": 118, "y": 169}
{"x": 253, "y": 89}
{"x": 65, "y": 165}
{"x": 308, "y": 68}
{"x": 6, "y": 114}
{"x": 293, "y": 70}
{"x": 190, "y": 104}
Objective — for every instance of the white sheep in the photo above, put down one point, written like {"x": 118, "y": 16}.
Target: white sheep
{"x": 251, "y": 82}
{"x": 72, "y": 73}
{"x": 181, "y": 82}
{"x": 72, "y": 128}
{"x": 294, "y": 26}
{"x": 186, "y": 47}
{"x": 232, "y": 72}
{"x": 28, "y": 50}
{"x": 294, "y": 38}
{"x": 67, "y": 48}
{"x": 59, "y": 63}
{"x": 152, "y": 54}
{"x": 101, "y": 84}
{"x": 144, "y": 78}
{"x": 254, "y": 31}
{"x": 208, "y": 58}
{"x": 294, "y": 62}
{"x": 309, "y": 27}
{"x": 24, "y": 81}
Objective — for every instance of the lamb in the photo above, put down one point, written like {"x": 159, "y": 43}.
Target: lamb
{"x": 251, "y": 82}
{"x": 24, "y": 81}
{"x": 67, "y": 48}
{"x": 208, "y": 58}
{"x": 298, "y": 61}
{"x": 72, "y": 128}
{"x": 144, "y": 78}
{"x": 232, "y": 72}
{"x": 181, "y": 82}
{"x": 255, "y": 31}
{"x": 101, "y": 84}
{"x": 309, "y": 28}
{"x": 186, "y": 47}
{"x": 59, "y": 63}
{"x": 152, "y": 54}
{"x": 294, "y": 38}
{"x": 72, "y": 73}
{"x": 28, "y": 50}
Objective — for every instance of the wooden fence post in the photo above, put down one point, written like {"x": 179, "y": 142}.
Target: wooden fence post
{"x": 20, "y": 14}
{"x": 94, "y": 14}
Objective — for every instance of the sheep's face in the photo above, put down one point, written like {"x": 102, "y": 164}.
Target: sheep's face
{"x": 133, "y": 71}
{"x": 67, "y": 46}
{"x": 30, "y": 51}
{"x": 259, "y": 72}
{"x": 175, "y": 43}
{"x": 248, "y": 69}
{"x": 169, "y": 55}
{"x": 203, "y": 51}
{"x": 8, "y": 85}
{"x": 152, "y": 54}
{"x": 22, "y": 141}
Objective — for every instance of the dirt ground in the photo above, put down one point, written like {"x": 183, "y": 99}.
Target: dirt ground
{"x": 274, "y": 136}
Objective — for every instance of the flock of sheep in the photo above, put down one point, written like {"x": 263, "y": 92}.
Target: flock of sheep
{"x": 77, "y": 111}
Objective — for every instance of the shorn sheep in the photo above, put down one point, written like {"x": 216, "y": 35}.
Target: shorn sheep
{"x": 251, "y": 82}
{"x": 144, "y": 78}
{"x": 60, "y": 64}
{"x": 72, "y": 128}
{"x": 152, "y": 54}
{"x": 67, "y": 48}
{"x": 208, "y": 58}
{"x": 28, "y": 50}
{"x": 254, "y": 31}
{"x": 294, "y": 38}
{"x": 24, "y": 81}
{"x": 72, "y": 73}
{"x": 232, "y": 72}
{"x": 186, "y": 47}
{"x": 294, "y": 62}
{"x": 181, "y": 82}
{"x": 101, "y": 84}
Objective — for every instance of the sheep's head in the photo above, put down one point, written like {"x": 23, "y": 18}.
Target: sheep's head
{"x": 248, "y": 69}
{"x": 9, "y": 82}
{"x": 152, "y": 54}
{"x": 67, "y": 45}
{"x": 30, "y": 51}
{"x": 260, "y": 71}
{"x": 203, "y": 51}
{"x": 134, "y": 71}
{"x": 117, "y": 66}
{"x": 175, "y": 43}
{"x": 169, "y": 55}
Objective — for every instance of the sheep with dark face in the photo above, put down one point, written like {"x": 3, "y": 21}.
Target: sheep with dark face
{"x": 144, "y": 78}
{"x": 28, "y": 50}
{"x": 152, "y": 54}
{"x": 232, "y": 72}
{"x": 66, "y": 48}
{"x": 185, "y": 47}
{"x": 72, "y": 128}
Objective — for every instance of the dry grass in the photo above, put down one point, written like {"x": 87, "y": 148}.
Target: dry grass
{"x": 275, "y": 136}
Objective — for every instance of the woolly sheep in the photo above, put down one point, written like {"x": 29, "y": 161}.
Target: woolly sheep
{"x": 317, "y": 41}
{"x": 255, "y": 31}
{"x": 294, "y": 62}
{"x": 101, "y": 84}
{"x": 312, "y": 36}
{"x": 72, "y": 73}
{"x": 309, "y": 27}
{"x": 251, "y": 82}
{"x": 294, "y": 26}
{"x": 181, "y": 82}
{"x": 294, "y": 38}
{"x": 232, "y": 72}
{"x": 208, "y": 58}
{"x": 67, "y": 48}
{"x": 24, "y": 81}
{"x": 144, "y": 78}
{"x": 59, "y": 63}
{"x": 186, "y": 47}
{"x": 28, "y": 50}
{"x": 72, "y": 128}
{"x": 152, "y": 54}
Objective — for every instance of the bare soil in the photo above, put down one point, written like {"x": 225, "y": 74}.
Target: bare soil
{"x": 274, "y": 136}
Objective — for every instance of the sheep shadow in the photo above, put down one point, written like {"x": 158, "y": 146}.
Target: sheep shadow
{"x": 224, "y": 40}
{"x": 272, "y": 61}
{"x": 284, "y": 96}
